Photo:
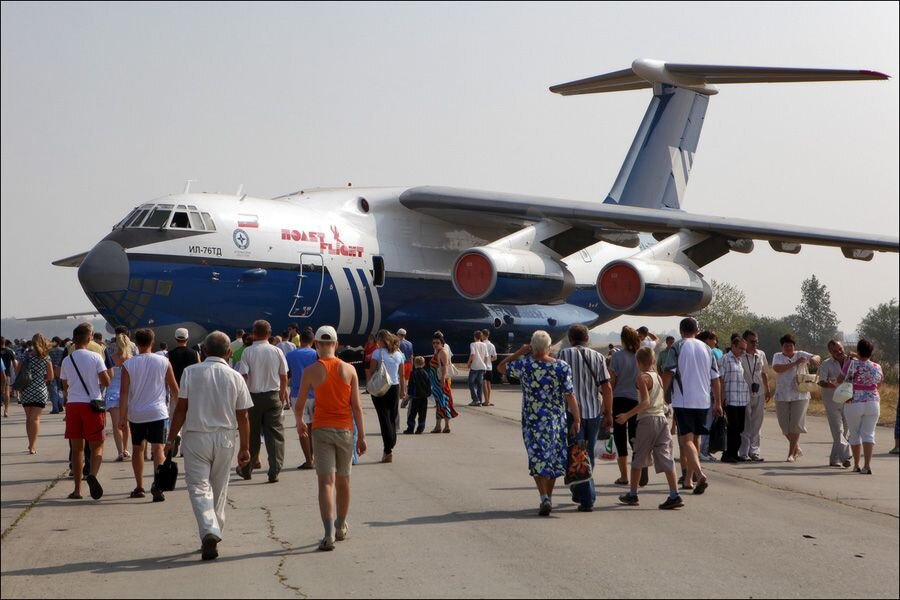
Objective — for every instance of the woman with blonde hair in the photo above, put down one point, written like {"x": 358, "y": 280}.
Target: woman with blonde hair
{"x": 35, "y": 395}
{"x": 547, "y": 391}
{"x": 623, "y": 370}
{"x": 120, "y": 352}
{"x": 388, "y": 406}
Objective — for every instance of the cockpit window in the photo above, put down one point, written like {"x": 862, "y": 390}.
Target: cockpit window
{"x": 167, "y": 216}
{"x": 160, "y": 216}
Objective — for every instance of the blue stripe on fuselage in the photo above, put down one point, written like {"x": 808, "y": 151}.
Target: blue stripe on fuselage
{"x": 370, "y": 303}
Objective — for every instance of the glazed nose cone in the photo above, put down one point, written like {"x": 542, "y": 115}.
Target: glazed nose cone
{"x": 104, "y": 269}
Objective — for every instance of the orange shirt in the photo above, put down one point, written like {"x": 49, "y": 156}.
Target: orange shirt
{"x": 333, "y": 399}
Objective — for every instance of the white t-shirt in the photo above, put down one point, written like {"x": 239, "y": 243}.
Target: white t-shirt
{"x": 693, "y": 362}
{"x": 286, "y": 347}
{"x": 478, "y": 351}
{"x": 492, "y": 354}
{"x": 264, "y": 364}
{"x": 648, "y": 342}
{"x": 214, "y": 392}
{"x": 147, "y": 388}
{"x": 786, "y": 383}
{"x": 90, "y": 364}
{"x": 392, "y": 362}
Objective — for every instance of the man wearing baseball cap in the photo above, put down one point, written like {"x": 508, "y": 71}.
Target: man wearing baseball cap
{"x": 337, "y": 407}
{"x": 181, "y": 357}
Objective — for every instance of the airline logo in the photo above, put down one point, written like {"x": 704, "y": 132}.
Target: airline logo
{"x": 336, "y": 248}
{"x": 248, "y": 221}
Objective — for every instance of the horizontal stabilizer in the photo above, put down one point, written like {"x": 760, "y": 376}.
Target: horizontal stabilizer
{"x": 644, "y": 73}
{"x": 70, "y": 261}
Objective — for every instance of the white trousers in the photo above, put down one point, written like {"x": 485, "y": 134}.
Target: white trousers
{"x": 753, "y": 422}
{"x": 840, "y": 449}
{"x": 207, "y": 467}
{"x": 862, "y": 417}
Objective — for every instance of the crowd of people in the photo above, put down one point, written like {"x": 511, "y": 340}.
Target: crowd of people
{"x": 222, "y": 397}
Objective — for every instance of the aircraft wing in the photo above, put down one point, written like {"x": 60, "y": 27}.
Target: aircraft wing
{"x": 457, "y": 205}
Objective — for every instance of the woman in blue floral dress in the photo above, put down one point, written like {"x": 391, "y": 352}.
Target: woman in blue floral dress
{"x": 546, "y": 393}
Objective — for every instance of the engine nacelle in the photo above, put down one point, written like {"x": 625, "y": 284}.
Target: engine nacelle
{"x": 652, "y": 288}
{"x": 502, "y": 276}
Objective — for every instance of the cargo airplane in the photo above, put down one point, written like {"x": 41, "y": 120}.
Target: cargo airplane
{"x": 427, "y": 258}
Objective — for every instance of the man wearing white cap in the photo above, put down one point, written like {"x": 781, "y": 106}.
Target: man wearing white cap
{"x": 181, "y": 358}
{"x": 336, "y": 388}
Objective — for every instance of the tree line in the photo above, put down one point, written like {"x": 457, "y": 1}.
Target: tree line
{"x": 813, "y": 321}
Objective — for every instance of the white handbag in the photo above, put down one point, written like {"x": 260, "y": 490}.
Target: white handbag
{"x": 379, "y": 384}
{"x": 844, "y": 392}
{"x": 806, "y": 382}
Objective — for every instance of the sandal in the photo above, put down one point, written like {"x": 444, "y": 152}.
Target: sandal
{"x": 436, "y": 429}
{"x": 137, "y": 493}
{"x": 620, "y": 481}
{"x": 126, "y": 454}
{"x": 74, "y": 496}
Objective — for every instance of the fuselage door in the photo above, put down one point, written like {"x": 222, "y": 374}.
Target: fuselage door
{"x": 309, "y": 286}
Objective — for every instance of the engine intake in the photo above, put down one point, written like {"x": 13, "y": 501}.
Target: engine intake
{"x": 505, "y": 276}
{"x": 652, "y": 288}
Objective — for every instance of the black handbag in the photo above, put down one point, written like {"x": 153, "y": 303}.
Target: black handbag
{"x": 23, "y": 377}
{"x": 718, "y": 435}
{"x": 166, "y": 474}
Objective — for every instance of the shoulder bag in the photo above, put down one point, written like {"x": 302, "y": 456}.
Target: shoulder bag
{"x": 23, "y": 377}
{"x": 844, "y": 392}
{"x": 806, "y": 381}
{"x": 97, "y": 404}
{"x": 379, "y": 384}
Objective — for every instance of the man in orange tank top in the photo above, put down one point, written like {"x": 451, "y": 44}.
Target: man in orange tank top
{"x": 337, "y": 406}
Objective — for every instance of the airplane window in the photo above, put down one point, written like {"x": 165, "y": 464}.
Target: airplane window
{"x": 210, "y": 224}
{"x": 196, "y": 221}
{"x": 138, "y": 218}
{"x": 180, "y": 221}
{"x": 160, "y": 216}
{"x": 125, "y": 220}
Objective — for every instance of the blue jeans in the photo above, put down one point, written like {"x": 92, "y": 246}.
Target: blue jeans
{"x": 476, "y": 385}
{"x": 55, "y": 397}
{"x": 584, "y": 493}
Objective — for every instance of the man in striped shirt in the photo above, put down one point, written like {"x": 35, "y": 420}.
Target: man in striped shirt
{"x": 589, "y": 375}
{"x": 737, "y": 397}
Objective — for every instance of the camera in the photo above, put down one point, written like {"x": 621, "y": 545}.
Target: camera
{"x": 754, "y": 387}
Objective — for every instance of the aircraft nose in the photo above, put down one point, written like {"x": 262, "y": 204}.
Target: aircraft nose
{"x": 104, "y": 269}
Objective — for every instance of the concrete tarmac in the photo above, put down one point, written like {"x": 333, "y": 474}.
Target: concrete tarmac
{"x": 455, "y": 515}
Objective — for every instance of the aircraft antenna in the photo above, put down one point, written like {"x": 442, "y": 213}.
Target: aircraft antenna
{"x": 187, "y": 185}
{"x": 240, "y": 190}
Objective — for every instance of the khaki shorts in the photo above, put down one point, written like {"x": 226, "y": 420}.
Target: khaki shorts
{"x": 653, "y": 445}
{"x": 333, "y": 451}
{"x": 792, "y": 416}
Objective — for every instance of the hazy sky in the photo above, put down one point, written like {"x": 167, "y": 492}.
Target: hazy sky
{"x": 105, "y": 106}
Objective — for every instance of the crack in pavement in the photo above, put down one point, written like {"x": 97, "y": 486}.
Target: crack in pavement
{"x": 33, "y": 503}
{"x": 279, "y": 575}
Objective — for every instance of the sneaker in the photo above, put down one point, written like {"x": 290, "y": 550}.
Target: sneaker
{"x": 757, "y": 458}
{"x": 387, "y": 458}
{"x": 95, "y": 487}
{"x": 671, "y": 503}
{"x": 341, "y": 534}
{"x": 407, "y": 431}
{"x": 245, "y": 472}
{"x": 158, "y": 496}
{"x": 708, "y": 458}
{"x": 546, "y": 508}
{"x": 629, "y": 500}
{"x": 208, "y": 550}
{"x": 326, "y": 545}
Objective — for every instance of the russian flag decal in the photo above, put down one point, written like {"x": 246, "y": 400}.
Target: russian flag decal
{"x": 248, "y": 221}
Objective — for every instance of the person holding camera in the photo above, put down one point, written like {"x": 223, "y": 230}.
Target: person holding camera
{"x": 756, "y": 373}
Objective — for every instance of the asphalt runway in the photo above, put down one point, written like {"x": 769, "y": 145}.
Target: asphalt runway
{"x": 456, "y": 516}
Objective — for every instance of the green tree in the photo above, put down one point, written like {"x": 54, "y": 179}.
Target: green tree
{"x": 769, "y": 330}
{"x": 814, "y": 323}
{"x": 727, "y": 313}
{"x": 882, "y": 326}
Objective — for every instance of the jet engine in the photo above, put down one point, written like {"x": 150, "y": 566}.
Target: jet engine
{"x": 652, "y": 287}
{"x": 505, "y": 276}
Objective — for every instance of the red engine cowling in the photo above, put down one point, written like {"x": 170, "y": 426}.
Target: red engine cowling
{"x": 652, "y": 288}
{"x": 501, "y": 276}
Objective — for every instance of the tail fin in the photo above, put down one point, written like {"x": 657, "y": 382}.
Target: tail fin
{"x": 656, "y": 169}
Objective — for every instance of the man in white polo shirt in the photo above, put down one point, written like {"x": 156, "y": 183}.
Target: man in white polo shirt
{"x": 266, "y": 372}
{"x": 692, "y": 371}
{"x": 214, "y": 401}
